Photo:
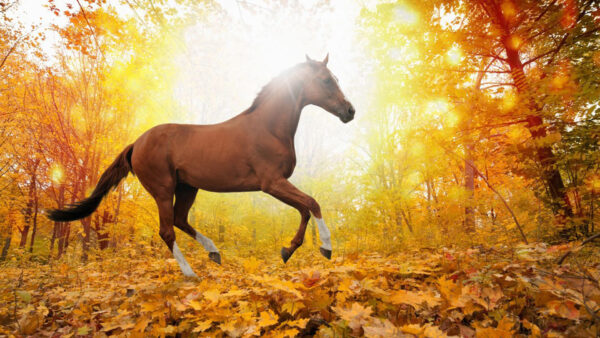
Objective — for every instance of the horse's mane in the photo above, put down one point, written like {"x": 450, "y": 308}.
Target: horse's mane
{"x": 271, "y": 85}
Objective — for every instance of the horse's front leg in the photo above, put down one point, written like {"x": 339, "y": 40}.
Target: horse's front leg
{"x": 286, "y": 192}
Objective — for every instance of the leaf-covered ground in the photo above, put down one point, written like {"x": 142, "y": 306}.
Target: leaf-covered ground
{"x": 480, "y": 292}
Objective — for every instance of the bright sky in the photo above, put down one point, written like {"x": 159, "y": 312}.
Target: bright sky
{"x": 228, "y": 63}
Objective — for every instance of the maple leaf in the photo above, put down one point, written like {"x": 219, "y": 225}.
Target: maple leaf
{"x": 382, "y": 328}
{"x": 300, "y": 323}
{"x": 564, "y": 309}
{"x": 451, "y": 291}
{"x": 267, "y": 318}
{"x": 292, "y": 307}
{"x": 213, "y": 295}
{"x": 286, "y": 333}
{"x": 415, "y": 299}
{"x": 30, "y": 322}
{"x": 141, "y": 324}
{"x": 311, "y": 280}
{"x": 251, "y": 264}
{"x": 413, "y": 329}
{"x": 493, "y": 333}
{"x": 237, "y": 328}
{"x": 535, "y": 330}
{"x": 201, "y": 326}
{"x": 355, "y": 316}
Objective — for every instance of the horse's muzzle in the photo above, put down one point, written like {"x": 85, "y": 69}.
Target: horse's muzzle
{"x": 348, "y": 114}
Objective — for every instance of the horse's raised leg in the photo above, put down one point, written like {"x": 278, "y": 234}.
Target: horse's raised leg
{"x": 286, "y": 192}
{"x": 184, "y": 198}
{"x": 167, "y": 233}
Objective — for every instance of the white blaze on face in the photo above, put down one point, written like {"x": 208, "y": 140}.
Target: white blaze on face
{"x": 206, "y": 242}
{"x": 183, "y": 264}
{"x": 324, "y": 234}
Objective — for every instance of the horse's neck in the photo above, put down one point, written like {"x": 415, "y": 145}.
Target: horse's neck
{"x": 281, "y": 113}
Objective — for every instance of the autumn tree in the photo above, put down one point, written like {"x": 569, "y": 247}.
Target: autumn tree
{"x": 538, "y": 49}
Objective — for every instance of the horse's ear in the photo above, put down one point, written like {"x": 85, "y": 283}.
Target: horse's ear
{"x": 308, "y": 59}
{"x": 326, "y": 59}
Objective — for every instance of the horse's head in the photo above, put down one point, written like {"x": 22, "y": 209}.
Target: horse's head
{"x": 321, "y": 88}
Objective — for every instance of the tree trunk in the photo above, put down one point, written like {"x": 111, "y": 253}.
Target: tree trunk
{"x": 35, "y": 214}
{"x": 101, "y": 224}
{"x": 469, "y": 171}
{"x": 5, "y": 247}
{"x": 470, "y": 188}
{"x": 25, "y": 230}
{"x": 56, "y": 232}
{"x": 86, "y": 222}
{"x": 535, "y": 123}
{"x": 407, "y": 220}
{"x": 53, "y": 239}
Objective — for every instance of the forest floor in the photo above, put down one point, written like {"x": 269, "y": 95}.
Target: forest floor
{"x": 484, "y": 292}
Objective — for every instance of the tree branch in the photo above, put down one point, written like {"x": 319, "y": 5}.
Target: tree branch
{"x": 589, "y": 239}
{"x": 91, "y": 29}
{"x": 10, "y": 51}
{"x": 470, "y": 163}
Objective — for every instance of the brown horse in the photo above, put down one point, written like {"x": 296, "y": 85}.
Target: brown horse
{"x": 252, "y": 151}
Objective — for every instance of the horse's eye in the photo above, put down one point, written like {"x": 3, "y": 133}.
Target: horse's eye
{"x": 328, "y": 81}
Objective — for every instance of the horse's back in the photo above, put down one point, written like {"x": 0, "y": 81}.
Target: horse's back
{"x": 209, "y": 157}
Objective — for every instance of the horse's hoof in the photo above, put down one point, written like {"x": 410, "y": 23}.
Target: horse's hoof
{"x": 285, "y": 254}
{"x": 215, "y": 257}
{"x": 326, "y": 253}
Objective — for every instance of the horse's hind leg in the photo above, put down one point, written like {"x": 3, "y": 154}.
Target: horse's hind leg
{"x": 167, "y": 233}
{"x": 184, "y": 198}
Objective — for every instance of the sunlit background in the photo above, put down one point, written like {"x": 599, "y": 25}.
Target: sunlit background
{"x": 474, "y": 156}
{"x": 223, "y": 61}
{"x": 431, "y": 94}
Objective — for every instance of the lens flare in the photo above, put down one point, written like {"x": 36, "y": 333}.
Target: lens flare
{"x": 405, "y": 15}
{"x": 451, "y": 118}
{"x": 437, "y": 106}
{"x": 508, "y": 10}
{"x": 515, "y": 42}
{"x": 454, "y": 56}
{"x": 57, "y": 174}
{"x": 509, "y": 101}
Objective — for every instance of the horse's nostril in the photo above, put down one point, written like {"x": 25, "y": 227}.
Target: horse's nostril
{"x": 351, "y": 111}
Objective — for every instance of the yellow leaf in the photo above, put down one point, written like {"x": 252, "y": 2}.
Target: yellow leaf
{"x": 292, "y": 307}
{"x": 213, "y": 295}
{"x": 381, "y": 328}
{"x": 141, "y": 324}
{"x": 356, "y": 315}
{"x": 414, "y": 329}
{"x": 415, "y": 299}
{"x": 267, "y": 318}
{"x": 564, "y": 309}
{"x": 202, "y": 326}
{"x": 194, "y": 304}
{"x": 286, "y": 333}
{"x": 251, "y": 264}
{"x": 535, "y": 330}
{"x": 30, "y": 322}
{"x": 493, "y": 333}
{"x": 506, "y": 324}
{"x": 451, "y": 292}
{"x": 300, "y": 323}
{"x": 433, "y": 331}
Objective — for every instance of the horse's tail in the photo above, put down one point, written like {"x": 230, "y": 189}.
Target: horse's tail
{"x": 109, "y": 179}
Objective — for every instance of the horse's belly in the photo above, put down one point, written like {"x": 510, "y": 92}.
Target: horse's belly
{"x": 220, "y": 178}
